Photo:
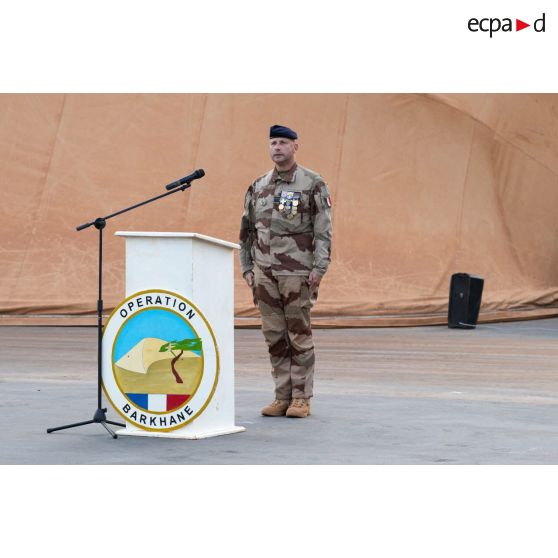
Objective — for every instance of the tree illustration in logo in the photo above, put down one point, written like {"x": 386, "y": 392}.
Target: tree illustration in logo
{"x": 193, "y": 344}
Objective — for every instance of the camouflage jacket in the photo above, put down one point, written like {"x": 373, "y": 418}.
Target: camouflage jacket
{"x": 286, "y": 225}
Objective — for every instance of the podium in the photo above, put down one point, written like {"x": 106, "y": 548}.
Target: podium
{"x": 200, "y": 269}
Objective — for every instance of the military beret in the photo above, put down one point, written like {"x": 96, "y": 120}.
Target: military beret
{"x": 278, "y": 131}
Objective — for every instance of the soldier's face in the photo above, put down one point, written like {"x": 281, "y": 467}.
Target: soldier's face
{"x": 282, "y": 150}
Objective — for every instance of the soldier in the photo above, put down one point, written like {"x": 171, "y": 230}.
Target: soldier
{"x": 285, "y": 248}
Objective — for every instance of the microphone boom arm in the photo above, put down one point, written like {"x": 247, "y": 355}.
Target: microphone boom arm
{"x": 100, "y": 219}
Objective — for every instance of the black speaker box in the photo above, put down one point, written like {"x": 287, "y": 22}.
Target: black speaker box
{"x": 464, "y": 300}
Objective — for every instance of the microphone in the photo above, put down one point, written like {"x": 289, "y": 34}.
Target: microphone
{"x": 194, "y": 176}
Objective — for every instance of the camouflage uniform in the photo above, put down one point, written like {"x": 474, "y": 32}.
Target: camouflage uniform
{"x": 282, "y": 242}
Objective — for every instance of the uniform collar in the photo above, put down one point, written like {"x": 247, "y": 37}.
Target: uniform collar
{"x": 289, "y": 177}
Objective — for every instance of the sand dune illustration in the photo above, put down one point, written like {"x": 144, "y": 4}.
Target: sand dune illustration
{"x": 143, "y": 369}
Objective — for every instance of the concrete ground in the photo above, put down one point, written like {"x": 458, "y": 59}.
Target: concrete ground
{"x": 423, "y": 395}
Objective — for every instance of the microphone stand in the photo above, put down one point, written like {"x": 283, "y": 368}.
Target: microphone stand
{"x": 100, "y": 223}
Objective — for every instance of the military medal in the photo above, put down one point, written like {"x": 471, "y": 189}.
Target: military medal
{"x": 288, "y": 204}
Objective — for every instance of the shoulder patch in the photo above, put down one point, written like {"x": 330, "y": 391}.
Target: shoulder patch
{"x": 321, "y": 188}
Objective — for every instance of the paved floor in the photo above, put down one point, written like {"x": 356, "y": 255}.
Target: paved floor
{"x": 425, "y": 395}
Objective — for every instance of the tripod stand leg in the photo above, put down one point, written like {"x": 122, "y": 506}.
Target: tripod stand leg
{"x": 99, "y": 417}
{"x": 49, "y": 430}
{"x": 113, "y": 434}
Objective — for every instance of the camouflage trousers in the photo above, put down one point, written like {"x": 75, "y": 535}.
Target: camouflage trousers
{"x": 285, "y": 303}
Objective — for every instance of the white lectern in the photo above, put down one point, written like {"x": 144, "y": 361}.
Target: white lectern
{"x": 201, "y": 269}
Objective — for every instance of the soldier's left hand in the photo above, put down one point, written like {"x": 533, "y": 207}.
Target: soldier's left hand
{"x": 313, "y": 280}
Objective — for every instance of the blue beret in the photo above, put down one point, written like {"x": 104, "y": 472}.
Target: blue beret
{"x": 277, "y": 131}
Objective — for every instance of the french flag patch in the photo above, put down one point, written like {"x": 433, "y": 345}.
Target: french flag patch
{"x": 328, "y": 201}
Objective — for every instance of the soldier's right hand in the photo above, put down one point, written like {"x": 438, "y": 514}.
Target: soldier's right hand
{"x": 249, "y": 277}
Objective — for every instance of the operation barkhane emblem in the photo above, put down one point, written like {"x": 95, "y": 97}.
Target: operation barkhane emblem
{"x": 160, "y": 360}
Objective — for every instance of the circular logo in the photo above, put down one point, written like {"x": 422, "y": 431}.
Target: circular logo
{"x": 160, "y": 360}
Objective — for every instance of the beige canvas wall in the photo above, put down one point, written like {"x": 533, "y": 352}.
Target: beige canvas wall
{"x": 423, "y": 186}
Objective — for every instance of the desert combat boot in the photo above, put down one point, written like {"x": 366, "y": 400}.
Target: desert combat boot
{"x": 276, "y": 409}
{"x": 299, "y": 408}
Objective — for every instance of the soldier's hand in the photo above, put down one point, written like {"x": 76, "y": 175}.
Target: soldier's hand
{"x": 313, "y": 280}
{"x": 249, "y": 277}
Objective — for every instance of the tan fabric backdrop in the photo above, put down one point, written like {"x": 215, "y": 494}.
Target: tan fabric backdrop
{"x": 422, "y": 185}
